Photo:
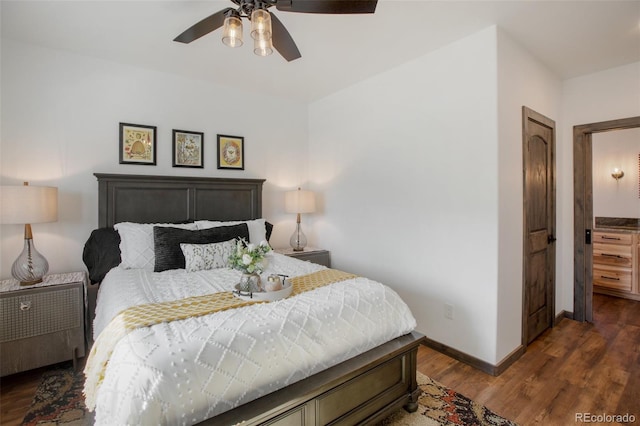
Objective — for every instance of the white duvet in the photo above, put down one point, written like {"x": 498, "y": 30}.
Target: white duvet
{"x": 186, "y": 371}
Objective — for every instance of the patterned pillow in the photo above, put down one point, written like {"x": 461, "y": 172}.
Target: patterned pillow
{"x": 137, "y": 243}
{"x": 167, "y": 242}
{"x": 201, "y": 257}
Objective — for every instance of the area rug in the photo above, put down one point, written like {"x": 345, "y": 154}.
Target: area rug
{"x": 439, "y": 405}
{"x": 59, "y": 401}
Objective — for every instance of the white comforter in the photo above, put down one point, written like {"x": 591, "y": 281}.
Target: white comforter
{"x": 186, "y": 371}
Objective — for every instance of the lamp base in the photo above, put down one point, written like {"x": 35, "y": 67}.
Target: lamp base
{"x": 36, "y": 281}
{"x": 30, "y": 266}
{"x": 298, "y": 240}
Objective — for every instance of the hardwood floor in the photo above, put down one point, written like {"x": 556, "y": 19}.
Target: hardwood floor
{"x": 573, "y": 368}
{"x": 16, "y": 394}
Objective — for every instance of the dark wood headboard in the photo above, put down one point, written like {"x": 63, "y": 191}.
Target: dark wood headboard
{"x": 149, "y": 199}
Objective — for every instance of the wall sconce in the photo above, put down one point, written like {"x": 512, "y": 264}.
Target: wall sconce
{"x": 26, "y": 205}
{"x": 617, "y": 173}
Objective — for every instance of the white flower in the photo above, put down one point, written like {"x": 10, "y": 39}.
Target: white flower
{"x": 249, "y": 257}
{"x": 264, "y": 243}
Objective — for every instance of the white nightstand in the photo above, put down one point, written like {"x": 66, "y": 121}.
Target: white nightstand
{"x": 309, "y": 254}
{"x": 42, "y": 324}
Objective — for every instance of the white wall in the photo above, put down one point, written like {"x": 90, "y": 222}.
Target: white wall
{"x": 414, "y": 167}
{"x": 60, "y": 115}
{"x": 522, "y": 81}
{"x": 602, "y": 96}
{"x": 406, "y": 164}
{"x": 616, "y": 198}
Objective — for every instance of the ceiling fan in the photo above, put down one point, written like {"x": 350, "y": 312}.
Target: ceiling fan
{"x": 266, "y": 29}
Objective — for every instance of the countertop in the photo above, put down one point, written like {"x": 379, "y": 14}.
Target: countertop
{"x": 619, "y": 224}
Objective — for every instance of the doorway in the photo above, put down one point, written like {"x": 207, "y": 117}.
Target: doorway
{"x": 583, "y": 211}
{"x": 539, "y": 198}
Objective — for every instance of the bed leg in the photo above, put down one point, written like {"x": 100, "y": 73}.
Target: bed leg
{"x": 412, "y": 405}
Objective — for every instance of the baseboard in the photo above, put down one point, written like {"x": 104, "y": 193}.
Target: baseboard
{"x": 494, "y": 370}
{"x": 508, "y": 360}
{"x": 562, "y": 315}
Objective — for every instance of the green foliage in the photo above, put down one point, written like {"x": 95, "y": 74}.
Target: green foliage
{"x": 249, "y": 258}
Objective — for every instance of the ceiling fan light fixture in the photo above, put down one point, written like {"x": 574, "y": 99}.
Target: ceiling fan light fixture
{"x": 260, "y": 24}
{"x": 262, "y": 46}
{"x": 232, "y": 33}
{"x": 264, "y": 23}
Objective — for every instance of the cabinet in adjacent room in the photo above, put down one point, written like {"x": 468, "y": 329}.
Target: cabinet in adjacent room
{"x": 616, "y": 263}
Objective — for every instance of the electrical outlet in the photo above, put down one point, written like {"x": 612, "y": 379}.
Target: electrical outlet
{"x": 448, "y": 311}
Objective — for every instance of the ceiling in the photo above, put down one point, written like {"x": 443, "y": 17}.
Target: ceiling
{"x": 571, "y": 37}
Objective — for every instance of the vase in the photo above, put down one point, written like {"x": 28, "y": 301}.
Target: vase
{"x": 250, "y": 282}
{"x": 274, "y": 283}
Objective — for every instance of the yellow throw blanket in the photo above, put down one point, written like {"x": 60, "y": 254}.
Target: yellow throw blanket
{"x": 156, "y": 313}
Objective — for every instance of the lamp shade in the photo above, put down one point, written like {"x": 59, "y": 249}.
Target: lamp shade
{"x": 299, "y": 201}
{"x": 261, "y": 24}
{"x": 262, "y": 46}
{"x": 28, "y": 204}
{"x": 232, "y": 32}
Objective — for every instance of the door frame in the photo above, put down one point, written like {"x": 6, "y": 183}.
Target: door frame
{"x": 583, "y": 211}
{"x": 529, "y": 114}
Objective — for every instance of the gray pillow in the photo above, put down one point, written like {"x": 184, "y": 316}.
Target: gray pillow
{"x": 166, "y": 241}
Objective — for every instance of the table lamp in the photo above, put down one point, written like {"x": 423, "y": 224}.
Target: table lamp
{"x": 299, "y": 202}
{"x": 26, "y": 205}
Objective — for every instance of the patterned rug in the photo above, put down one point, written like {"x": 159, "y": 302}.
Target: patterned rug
{"x": 59, "y": 401}
{"x": 439, "y": 405}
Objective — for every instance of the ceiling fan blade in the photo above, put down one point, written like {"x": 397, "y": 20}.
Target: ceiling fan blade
{"x": 282, "y": 41}
{"x": 327, "y": 6}
{"x": 203, "y": 27}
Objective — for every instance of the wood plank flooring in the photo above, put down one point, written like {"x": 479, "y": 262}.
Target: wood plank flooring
{"x": 573, "y": 368}
{"x": 16, "y": 394}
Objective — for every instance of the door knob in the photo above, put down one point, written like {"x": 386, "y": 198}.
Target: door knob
{"x": 551, "y": 238}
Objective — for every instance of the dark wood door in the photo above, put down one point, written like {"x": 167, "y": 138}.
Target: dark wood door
{"x": 583, "y": 211}
{"x": 539, "y": 224}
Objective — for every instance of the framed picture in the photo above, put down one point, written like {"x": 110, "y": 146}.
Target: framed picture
{"x": 137, "y": 144}
{"x": 230, "y": 152}
{"x": 188, "y": 149}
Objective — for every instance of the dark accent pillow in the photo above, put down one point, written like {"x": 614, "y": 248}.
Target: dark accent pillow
{"x": 269, "y": 228}
{"x": 166, "y": 242}
{"x": 101, "y": 253}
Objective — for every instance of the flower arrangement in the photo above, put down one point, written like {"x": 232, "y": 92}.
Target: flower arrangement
{"x": 249, "y": 258}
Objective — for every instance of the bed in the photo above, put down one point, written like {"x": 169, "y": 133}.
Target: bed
{"x": 355, "y": 373}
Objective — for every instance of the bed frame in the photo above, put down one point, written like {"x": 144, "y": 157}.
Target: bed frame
{"x": 362, "y": 390}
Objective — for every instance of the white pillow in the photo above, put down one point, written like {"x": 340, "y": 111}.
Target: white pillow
{"x": 257, "y": 228}
{"x": 201, "y": 257}
{"x": 136, "y": 243}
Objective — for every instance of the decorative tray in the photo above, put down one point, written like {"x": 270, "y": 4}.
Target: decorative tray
{"x": 266, "y": 296}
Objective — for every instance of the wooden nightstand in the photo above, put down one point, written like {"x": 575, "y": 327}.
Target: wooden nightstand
{"x": 42, "y": 324}
{"x": 310, "y": 254}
